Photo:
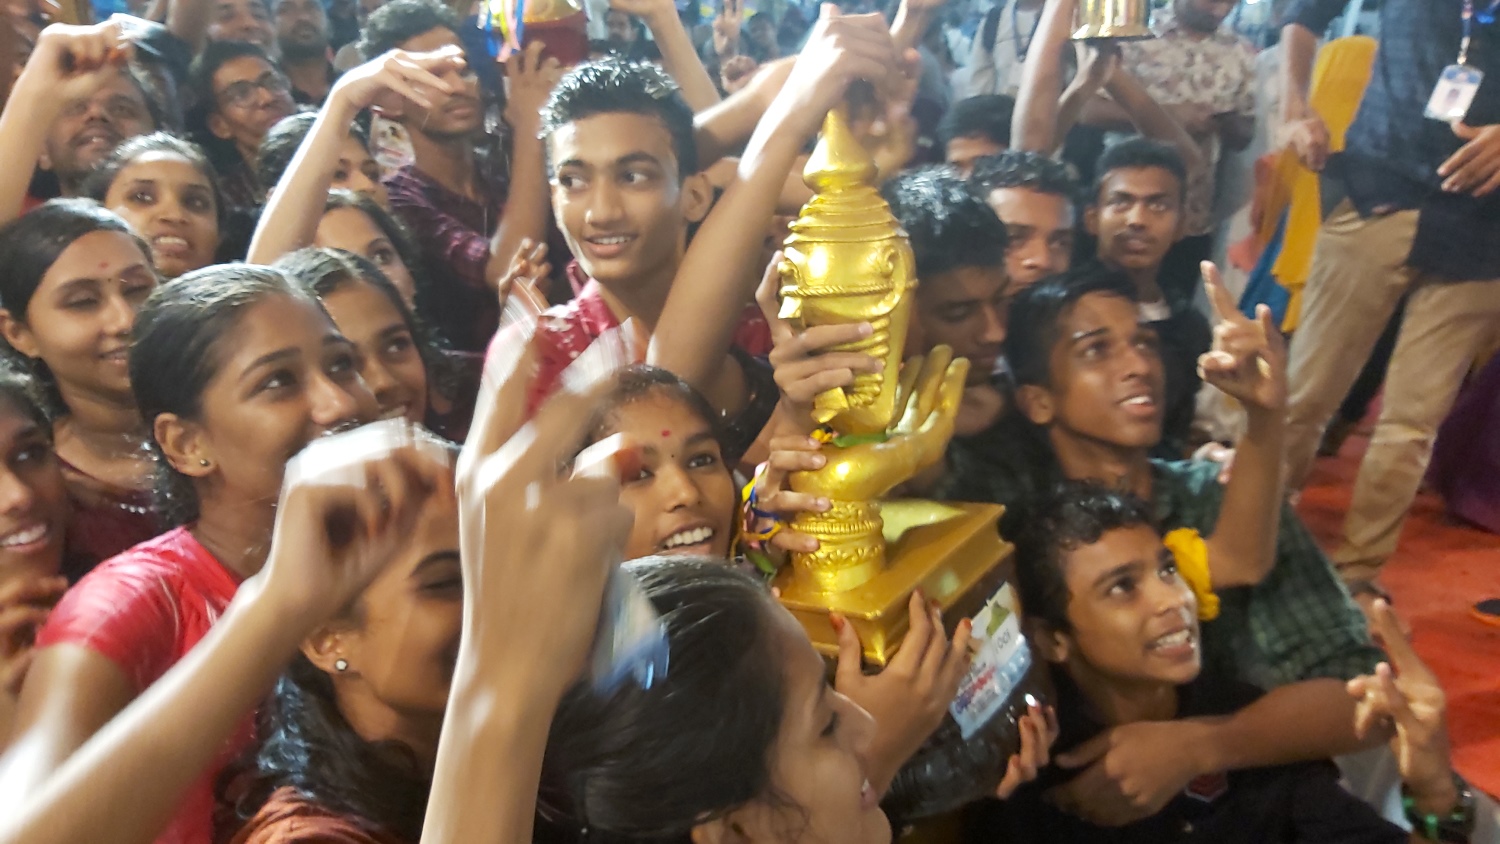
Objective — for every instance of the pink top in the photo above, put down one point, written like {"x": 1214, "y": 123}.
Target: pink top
{"x": 144, "y": 610}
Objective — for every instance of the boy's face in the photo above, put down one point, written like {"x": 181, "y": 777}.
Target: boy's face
{"x": 1134, "y": 618}
{"x": 452, "y": 116}
{"x": 1138, "y": 217}
{"x": 619, "y": 198}
{"x": 1039, "y": 228}
{"x": 1106, "y": 381}
{"x": 965, "y": 308}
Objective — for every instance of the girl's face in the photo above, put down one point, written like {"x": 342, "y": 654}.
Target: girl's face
{"x": 287, "y": 377}
{"x": 388, "y": 360}
{"x": 79, "y": 319}
{"x": 820, "y": 759}
{"x": 170, "y": 204}
{"x": 33, "y": 500}
{"x": 358, "y": 171}
{"x": 684, "y": 497}
{"x": 352, "y": 230}
{"x": 402, "y": 643}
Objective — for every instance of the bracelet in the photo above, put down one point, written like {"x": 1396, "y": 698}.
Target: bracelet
{"x": 1457, "y": 826}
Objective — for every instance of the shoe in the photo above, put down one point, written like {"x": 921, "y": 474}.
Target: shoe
{"x": 1487, "y": 611}
{"x": 1333, "y": 438}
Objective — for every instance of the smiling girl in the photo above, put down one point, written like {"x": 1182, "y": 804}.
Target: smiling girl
{"x": 74, "y": 275}
{"x": 237, "y": 369}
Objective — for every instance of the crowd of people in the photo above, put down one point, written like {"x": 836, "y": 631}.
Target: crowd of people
{"x": 343, "y": 363}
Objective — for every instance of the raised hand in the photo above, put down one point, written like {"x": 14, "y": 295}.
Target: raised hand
{"x": 347, "y": 505}
{"x": 1475, "y": 167}
{"x": 1248, "y": 359}
{"x": 24, "y": 604}
{"x": 1099, "y": 60}
{"x": 414, "y": 76}
{"x": 537, "y": 543}
{"x": 531, "y": 79}
{"x": 909, "y": 698}
{"x": 74, "y": 60}
{"x": 841, "y": 49}
{"x": 726, "y": 28}
{"x": 735, "y": 72}
{"x": 1405, "y": 694}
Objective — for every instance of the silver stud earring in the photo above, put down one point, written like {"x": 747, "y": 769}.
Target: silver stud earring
{"x": 203, "y": 463}
{"x": 341, "y": 665}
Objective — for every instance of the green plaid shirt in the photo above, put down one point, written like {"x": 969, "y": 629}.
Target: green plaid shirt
{"x": 1297, "y": 624}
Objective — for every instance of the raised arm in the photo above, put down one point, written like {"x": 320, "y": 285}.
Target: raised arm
{"x": 188, "y": 20}
{"x": 528, "y": 645}
{"x": 69, "y": 63}
{"x": 1150, "y": 118}
{"x": 124, "y": 784}
{"x": 1034, "y": 124}
{"x": 678, "y": 55}
{"x": 718, "y": 274}
{"x": 1248, "y": 362}
{"x": 528, "y": 207}
{"x": 723, "y": 129}
{"x": 290, "y": 219}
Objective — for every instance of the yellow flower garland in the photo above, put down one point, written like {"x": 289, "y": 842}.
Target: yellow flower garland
{"x": 1191, "y": 553}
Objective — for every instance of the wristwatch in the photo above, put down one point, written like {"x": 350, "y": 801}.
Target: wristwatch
{"x": 1456, "y": 826}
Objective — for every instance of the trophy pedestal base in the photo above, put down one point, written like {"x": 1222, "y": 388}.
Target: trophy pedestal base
{"x": 953, "y": 552}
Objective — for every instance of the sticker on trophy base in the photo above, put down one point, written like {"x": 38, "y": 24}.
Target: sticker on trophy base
{"x": 1454, "y": 93}
{"x": 1001, "y": 660}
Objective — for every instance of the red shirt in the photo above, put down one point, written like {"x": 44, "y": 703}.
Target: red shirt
{"x": 144, "y": 610}
{"x": 563, "y": 333}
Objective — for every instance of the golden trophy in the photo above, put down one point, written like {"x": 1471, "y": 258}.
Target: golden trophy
{"x": 1113, "y": 20}
{"x": 847, "y": 260}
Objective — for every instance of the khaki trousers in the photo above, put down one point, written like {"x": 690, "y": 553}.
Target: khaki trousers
{"x": 1358, "y": 276}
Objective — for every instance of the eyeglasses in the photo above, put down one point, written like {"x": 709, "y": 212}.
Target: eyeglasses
{"x": 242, "y": 94}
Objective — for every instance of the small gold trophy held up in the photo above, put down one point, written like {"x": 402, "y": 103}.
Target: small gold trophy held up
{"x": 1113, "y": 20}
{"x": 847, "y": 260}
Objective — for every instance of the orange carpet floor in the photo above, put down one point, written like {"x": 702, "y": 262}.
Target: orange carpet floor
{"x": 1441, "y": 568}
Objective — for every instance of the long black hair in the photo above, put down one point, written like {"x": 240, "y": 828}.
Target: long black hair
{"x": 651, "y": 764}
{"x": 307, "y": 744}
{"x": 29, "y": 246}
{"x": 322, "y": 271}
{"x": 177, "y": 350}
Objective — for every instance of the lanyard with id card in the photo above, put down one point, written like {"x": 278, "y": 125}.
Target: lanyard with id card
{"x": 1459, "y": 83}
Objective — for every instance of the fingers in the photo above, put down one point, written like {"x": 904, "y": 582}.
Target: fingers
{"x": 768, "y": 297}
{"x": 502, "y": 407}
{"x": 1397, "y": 647}
{"x": 1223, "y": 304}
{"x": 1395, "y": 700}
{"x": 17, "y": 623}
{"x": 1033, "y": 754}
{"x": 930, "y": 383}
{"x": 44, "y": 591}
{"x": 850, "y": 667}
{"x": 919, "y": 635}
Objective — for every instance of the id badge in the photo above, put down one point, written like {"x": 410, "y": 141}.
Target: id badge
{"x": 1454, "y": 93}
